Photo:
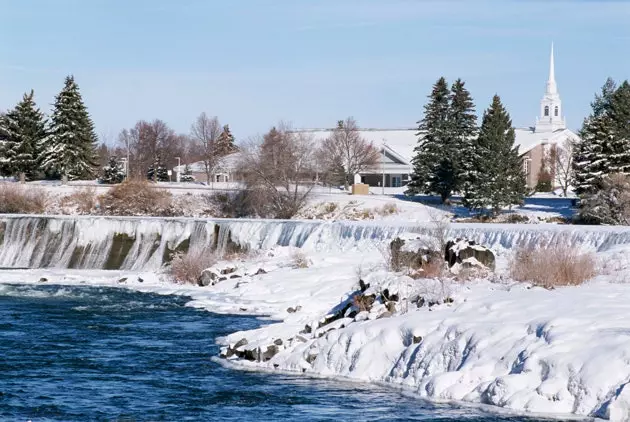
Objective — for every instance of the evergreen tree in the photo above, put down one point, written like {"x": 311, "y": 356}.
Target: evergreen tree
{"x": 463, "y": 133}
{"x": 605, "y": 139}
{"x": 187, "y": 175}
{"x": 225, "y": 142}
{"x": 498, "y": 176}
{"x": 23, "y": 129}
{"x": 158, "y": 172}
{"x": 431, "y": 171}
{"x": 113, "y": 172}
{"x": 71, "y": 150}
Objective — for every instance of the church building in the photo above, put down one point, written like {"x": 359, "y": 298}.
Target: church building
{"x": 535, "y": 142}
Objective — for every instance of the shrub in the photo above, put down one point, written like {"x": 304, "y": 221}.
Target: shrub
{"x": 20, "y": 199}
{"x": 83, "y": 200}
{"x": 187, "y": 267}
{"x": 516, "y": 219}
{"x": 363, "y": 302}
{"x": 137, "y": 197}
{"x": 555, "y": 265}
{"x": 300, "y": 260}
{"x": 231, "y": 204}
{"x": 388, "y": 209}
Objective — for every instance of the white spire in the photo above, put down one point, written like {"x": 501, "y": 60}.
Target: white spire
{"x": 552, "y": 88}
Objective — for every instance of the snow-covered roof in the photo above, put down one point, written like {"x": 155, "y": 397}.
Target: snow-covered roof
{"x": 228, "y": 162}
{"x": 403, "y": 141}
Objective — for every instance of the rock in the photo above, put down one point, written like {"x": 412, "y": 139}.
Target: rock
{"x": 278, "y": 342}
{"x": 269, "y": 353}
{"x": 300, "y": 339}
{"x": 362, "y": 286}
{"x": 235, "y": 276}
{"x": 391, "y": 307}
{"x": 310, "y": 358}
{"x": 222, "y": 279}
{"x": 208, "y": 278}
{"x": 240, "y": 343}
{"x": 417, "y": 339}
{"x": 122, "y": 280}
{"x": 260, "y": 272}
{"x": 228, "y": 270}
{"x": 251, "y": 354}
{"x": 43, "y": 280}
{"x": 468, "y": 254}
{"x": 290, "y": 310}
{"x": 140, "y": 280}
{"x": 410, "y": 256}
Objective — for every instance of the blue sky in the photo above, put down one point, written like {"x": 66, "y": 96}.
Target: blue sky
{"x": 308, "y": 62}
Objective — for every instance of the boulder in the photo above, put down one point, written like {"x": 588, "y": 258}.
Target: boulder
{"x": 260, "y": 272}
{"x": 269, "y": 353}
{"x": 208, "y": 278}
{"x": 408, "y": 253}
{"x": 43, "y": 280}
{"x": 468, "y": 254}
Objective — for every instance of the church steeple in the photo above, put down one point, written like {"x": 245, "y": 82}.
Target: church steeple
{"x": 551, "y": 106}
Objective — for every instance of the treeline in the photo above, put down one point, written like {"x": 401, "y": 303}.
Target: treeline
{"x": 33, "y": 146}
{"x": 454, "y": 155}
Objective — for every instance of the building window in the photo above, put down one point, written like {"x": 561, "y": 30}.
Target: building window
{"x": 546, "y": 111}
{"x": 396, "y": 181}
{"x": 527, "y": 163}
{"x": 555, "y": 112}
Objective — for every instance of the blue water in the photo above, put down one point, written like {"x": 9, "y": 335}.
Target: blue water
{"x": 87, "y": 353}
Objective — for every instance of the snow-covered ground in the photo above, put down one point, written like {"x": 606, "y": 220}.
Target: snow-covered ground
{"x": 565, "y": 351}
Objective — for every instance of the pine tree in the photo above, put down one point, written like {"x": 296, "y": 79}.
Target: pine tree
{"x": 71, "y": 150}
{"x": 187, "y": 175}
{"x": 463, "y": 133}
{"x": 429, "y": 166}
{"x": 498, "y": 179}
{"x": 113, "y": 172}
{"x": 24, "y": 129}
{"x": 620, "y": 143}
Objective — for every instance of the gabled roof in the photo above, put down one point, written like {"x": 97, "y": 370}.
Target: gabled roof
{"x": 402, "y": 142}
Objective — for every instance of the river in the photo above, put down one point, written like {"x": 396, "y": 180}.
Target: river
{"x": 90, "y": 353}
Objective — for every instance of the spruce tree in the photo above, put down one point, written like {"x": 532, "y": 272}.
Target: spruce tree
{"x": 71, "y": 150}
{"x": 224, "y": 144}
{"x": 187, "y": 175}
{"x": 429, "y": 166}
{"x": 158, "y": 172}
{"x": 113, "y": 172}
{"x": 620, "y": 142}
{"x": 499, "y": 179}
{"x": 24, "y": 129}
{"x": 463, "y": 134}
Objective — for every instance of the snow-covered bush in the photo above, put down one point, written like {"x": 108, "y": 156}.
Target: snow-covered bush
{"x": 187, "y": 175}
{"x": 137, "y": 197}
{"x": 19, "y": 199}
{"x": 555, "y": 265}
{"x": 610, "y": 203}
{"x": 300, "y": 260}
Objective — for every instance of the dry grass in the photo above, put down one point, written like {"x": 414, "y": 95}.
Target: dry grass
{"x": 187, "y": 267}
{"x": 137, "y": 197}
{"x": 362, "y": 302}
{"x": 300, "y": 260}
{"x": 553, "y": 266}
{"x": 83, "y": 200}
{"x": 389, "y": 208}
{"x": 20, "y": 199}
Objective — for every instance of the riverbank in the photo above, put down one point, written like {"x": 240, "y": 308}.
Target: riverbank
{"x": 510, "y": 345}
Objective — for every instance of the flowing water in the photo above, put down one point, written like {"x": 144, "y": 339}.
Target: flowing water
{"x": 88, "y": 353}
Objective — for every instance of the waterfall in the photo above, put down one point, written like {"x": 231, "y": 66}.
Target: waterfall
{"x": 143, "y": 243}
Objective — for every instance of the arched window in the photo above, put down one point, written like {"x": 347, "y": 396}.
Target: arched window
{"x": 555, "y": 111}
{"x": 546, "y": 111}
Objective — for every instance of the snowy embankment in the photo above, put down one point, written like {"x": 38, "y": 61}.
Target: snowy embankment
{"x": 565, "y": 351}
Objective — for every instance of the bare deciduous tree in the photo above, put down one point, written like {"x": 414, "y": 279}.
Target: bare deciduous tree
{"x": 278, "y": 172}
{"x": 148, "y": 142}
{"x": 560, "y": 161}
{"x": 345, "y": 150}
{"x": 206, "y": 133}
